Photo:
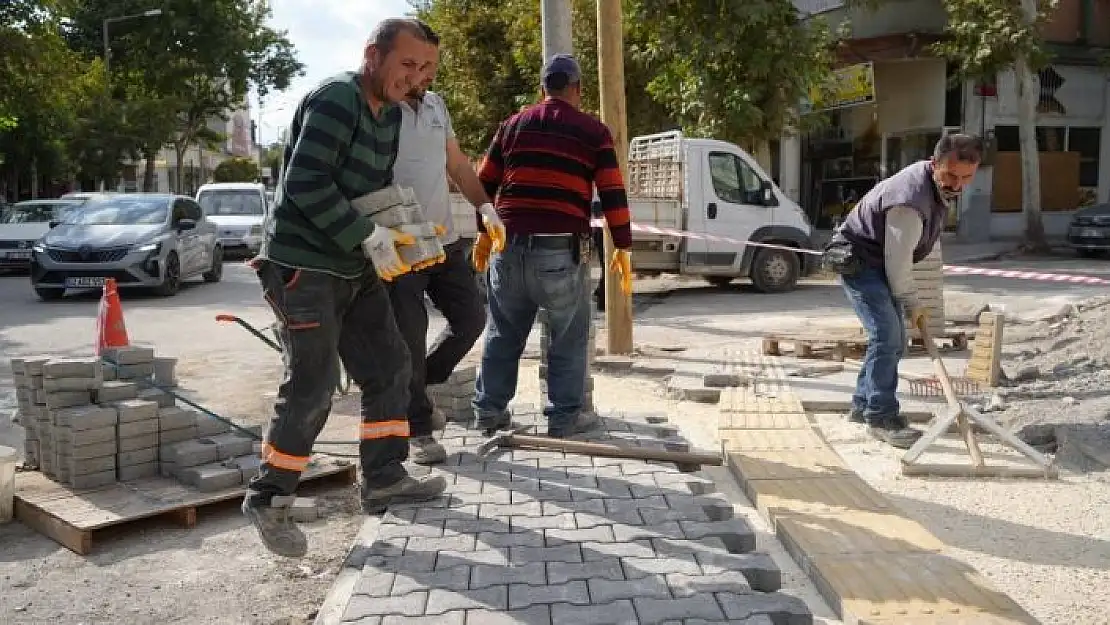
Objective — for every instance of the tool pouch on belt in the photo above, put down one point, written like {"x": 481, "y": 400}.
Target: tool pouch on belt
{"x": 840, "y": 257}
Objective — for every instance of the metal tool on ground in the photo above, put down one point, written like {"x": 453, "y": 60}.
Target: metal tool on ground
{"x": 930, "y": 386}
{"x": 686, "y": 461}
{"x": 342, "y": 381}
{"x": 965, "y": 417}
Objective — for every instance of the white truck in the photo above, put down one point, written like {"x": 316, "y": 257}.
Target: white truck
{"x": 704, "y": 186}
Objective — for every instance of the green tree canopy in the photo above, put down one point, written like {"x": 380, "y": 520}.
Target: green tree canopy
{"x": 238, "y": 169}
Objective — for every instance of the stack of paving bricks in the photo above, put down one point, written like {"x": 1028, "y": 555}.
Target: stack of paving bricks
{"x": 454, "y": 396}
{"x": 91, "y": 423}
{"x": 534, "y": 536}
{"x": 591, "y": 353}
{"x": 928, "y": 276}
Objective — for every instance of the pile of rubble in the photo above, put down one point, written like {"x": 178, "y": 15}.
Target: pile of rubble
{"x": 1058, "y": 373}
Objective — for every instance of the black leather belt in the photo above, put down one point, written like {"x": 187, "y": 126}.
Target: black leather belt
{"x": 545, "y": 241}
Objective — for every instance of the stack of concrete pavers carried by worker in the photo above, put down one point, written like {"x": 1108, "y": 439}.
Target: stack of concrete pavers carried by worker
{"x": 396, "y": 207}
{"x": 92, "y": 422}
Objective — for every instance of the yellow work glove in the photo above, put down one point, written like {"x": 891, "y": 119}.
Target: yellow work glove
{"x": 483, "y": 245}
{"x": 440, "y": 230}
{"x": 919, "y": 317}
{"x": 494, "y": 226}
{"x": 621, "y": 264}
{"x": 381, "y": 248}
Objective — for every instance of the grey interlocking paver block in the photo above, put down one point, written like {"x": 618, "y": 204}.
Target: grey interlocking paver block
{"x": 375, "y": 583}
{"x": 758, "y": 568}
{"x": 493, "y": 525}
{"x": 429, "y": 529}
{"x": 562, "y": 572}
{"x": 625, "y": 517}
{"x": 524, "y": 595}
{"x": 493, "y": 556}
{"x": 655, "y": 516}
{"x": 490, "y": 598}
{"x": 364, "y": 605}
{"x": 501, "y": 496}
{"x": 447, "y": 542}
{"x": 455, "y": 578}
{"x": 657, "y": 502}
{"x": 535, "y": 492}
{"x": 782, "y": 609}
{"x": 534, "y": 573}
{"x": 656, "y": 610}
{"x": 600, "y": 534}
{"x": 456, "y": 617}
{"x": 510, "y": 539}
{"x": 408, "y": 563}
{"x": 562, "y": 553}
{"x": 603, "y": 591}
{"x": 636, "y": 568}
{"x": 531, "y": 508}
{"x": 366, "y": 620}
{"x": 424, "y": 515}
{"x": 737, "y": 535}
{"x": 684, "y": 584}
{"x": 616, "y": 613}
{"x": 564, "y": 520}
{"x": 669, "y": 529}
{"x": 629, "y": 549}
{"x": 592, "y": 506}
{"x": 535, "y": 615}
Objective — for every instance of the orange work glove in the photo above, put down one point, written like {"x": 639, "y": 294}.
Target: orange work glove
{"x": 483, "y": 245}
{"x": 621, "y": 264}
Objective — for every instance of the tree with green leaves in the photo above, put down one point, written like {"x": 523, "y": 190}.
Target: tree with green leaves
{"x": 192, "y": 64}
{"x": 987, "y": 37}
{"x": 238, "y": 169}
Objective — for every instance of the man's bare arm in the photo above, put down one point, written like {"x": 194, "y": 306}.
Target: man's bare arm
{"x": 463, "y": 175}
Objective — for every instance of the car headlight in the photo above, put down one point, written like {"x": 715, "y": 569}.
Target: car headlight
{"x": 149, "y": 247}
{"x": 38, "y": 248}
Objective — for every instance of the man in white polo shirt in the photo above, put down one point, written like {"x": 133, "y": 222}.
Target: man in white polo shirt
{"x": 427, "y": 156}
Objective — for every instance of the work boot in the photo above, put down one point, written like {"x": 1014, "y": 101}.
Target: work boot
{"x": 584, "y": 422}
{"x": 856, "y": 416}
{"x": 894, "y": 432}
{"x": 278, "y": 532}
{"x": 425, "y": 450}
{"x": 407, "y": 489}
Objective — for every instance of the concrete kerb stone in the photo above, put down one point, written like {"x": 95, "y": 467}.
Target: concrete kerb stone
{"x": 547, "y": 555}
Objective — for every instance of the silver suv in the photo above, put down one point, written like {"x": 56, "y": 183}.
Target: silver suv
{"x": 151, "y": 240}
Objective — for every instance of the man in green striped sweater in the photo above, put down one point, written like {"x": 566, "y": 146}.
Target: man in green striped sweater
{"x": 326, "y": 294}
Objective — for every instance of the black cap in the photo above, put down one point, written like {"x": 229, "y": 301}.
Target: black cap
{"x": 559, "y": 71}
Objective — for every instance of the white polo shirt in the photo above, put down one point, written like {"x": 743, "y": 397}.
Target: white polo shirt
{"x": 422, "y": 159}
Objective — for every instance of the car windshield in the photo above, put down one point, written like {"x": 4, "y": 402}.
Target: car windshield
{"x": 231, "y": 202}
{"x": 121, "y": 211}
{"x": 36, "y": 212}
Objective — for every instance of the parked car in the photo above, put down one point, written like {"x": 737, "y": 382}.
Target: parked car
{"x": 1089, "y": 231}
{"x": 152, "y": 240}
{"x": 24, "y": 223}
{"x": 238, "y": 209}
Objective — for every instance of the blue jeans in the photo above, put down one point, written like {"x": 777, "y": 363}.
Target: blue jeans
{"x": 883, "y": 318}
{"x": 533, "y": 273}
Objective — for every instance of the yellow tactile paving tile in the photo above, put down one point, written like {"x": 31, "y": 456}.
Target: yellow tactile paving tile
{"x": 785, "y": 465}
{"x": 832, "y": 494}
{"x": 745, "y": 400}
{"x": 772, "y": 440}
{"x": 765, "y": 420}
{"x": 854, "y": 532}
{"x": 912, "y": 589}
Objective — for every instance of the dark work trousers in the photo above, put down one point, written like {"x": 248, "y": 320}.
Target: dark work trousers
{"x": 319, "y": 314}
{"x": 452, "y": 287}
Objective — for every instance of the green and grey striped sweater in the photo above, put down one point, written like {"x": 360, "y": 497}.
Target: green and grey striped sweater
{"x": 336, "y": 151}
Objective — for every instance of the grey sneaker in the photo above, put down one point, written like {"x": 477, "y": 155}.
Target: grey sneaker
{"x": 277, "y": 531}
{"x": 425, "y": 450}
{"x": 895, "y": 433}
{"x": 407, "y": 489}
{"x": 856, "y": 416}
{"x": 585, "y": 422}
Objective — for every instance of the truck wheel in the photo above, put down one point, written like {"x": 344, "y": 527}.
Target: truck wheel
{"x": 775, "y": 271}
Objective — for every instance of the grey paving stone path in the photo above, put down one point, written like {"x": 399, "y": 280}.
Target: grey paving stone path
{"x": 538, "y": 537}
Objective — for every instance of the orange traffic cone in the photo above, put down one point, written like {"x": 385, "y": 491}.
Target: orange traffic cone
{"x": 110, "y": 330}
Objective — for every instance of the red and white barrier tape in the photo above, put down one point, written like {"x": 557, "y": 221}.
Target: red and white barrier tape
{"x": 950, "y": 269}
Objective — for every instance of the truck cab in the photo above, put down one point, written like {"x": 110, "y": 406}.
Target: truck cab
{"x": 720, "y": 197}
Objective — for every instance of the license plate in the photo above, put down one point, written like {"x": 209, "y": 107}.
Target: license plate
{"x": 1090, "y": 233}
{"x": 18, "y": 255}
{"x": 82, "y": 282}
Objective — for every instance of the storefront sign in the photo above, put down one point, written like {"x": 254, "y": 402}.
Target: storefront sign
{"x": 853, "y": 85}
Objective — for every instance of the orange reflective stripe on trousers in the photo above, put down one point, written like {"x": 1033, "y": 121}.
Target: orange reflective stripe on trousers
{"x": 281, "y": 460}
{"x": 384, "y": 429}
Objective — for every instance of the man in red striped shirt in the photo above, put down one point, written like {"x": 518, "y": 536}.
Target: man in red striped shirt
{"x": 541, "y": 168}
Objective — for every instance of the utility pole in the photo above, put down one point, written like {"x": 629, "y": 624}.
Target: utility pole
{"x": 556, "y": 18}
{"x": 610, "y": 63}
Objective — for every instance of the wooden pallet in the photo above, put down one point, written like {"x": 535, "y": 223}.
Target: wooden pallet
{"x": 957, "y": 340}
{"x": 74, "y": 517}
{"x": 834, "y": 344}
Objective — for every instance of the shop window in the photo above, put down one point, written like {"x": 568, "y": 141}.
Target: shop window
{"x": 1087, "y": 142}
{"x": 1051, "y": 139}
{"x": 1007, "y": 138}
{"x": 733, "y": 180}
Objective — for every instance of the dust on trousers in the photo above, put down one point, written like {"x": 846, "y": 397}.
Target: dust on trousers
{"x": 319, "y": 314}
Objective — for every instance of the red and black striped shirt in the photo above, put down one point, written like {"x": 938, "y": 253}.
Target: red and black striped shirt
{"x": 542, "y": 167}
